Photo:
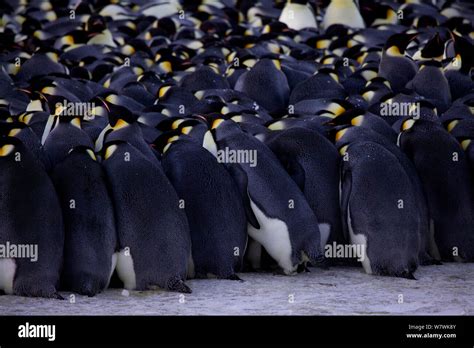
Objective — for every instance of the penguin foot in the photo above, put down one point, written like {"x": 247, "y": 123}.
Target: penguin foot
{"x": 88, "y": 288}
{"x": 29, "y": 289}
{"x": 430, "y": 262}
{"x": 57, "y": 296}
{"x": 323, "y": 264}
{"x": 302, "y": 268}
{"x": 178, "y": 285}
{"x": 234, "y": 277}
{"x": 427, "y": 260}
{"x": 408, "y": 275}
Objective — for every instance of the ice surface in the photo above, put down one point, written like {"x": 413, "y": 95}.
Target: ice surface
{"x": 439, "y": 290}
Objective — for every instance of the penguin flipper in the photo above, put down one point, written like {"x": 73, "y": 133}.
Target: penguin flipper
{"x": 240, "y": 177}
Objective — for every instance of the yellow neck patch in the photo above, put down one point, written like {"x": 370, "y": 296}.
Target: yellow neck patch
{"x": 110, "y": 150}
{"x": 217, "y": 123}
{"x": 5, "y": 150}
{"x": 394, "y": 51}
{"x": 340, "y": 134}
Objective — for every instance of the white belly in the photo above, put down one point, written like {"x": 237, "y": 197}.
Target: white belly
{"x": 125, "y": 270}
{"x": 324, "y": 231}
{"x": 209, "y": 144}
{"x": 345, "y": 13}
{"x": 359, "y": 239}
{"x": 298, "y": 16}
{"x": 274, "y": 236}
{"x": 7, "y": 275}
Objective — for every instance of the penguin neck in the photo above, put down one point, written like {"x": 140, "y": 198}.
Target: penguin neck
{"x": 394, "y": 51}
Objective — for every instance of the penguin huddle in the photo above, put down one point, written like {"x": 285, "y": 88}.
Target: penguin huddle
{"x": 151, "y": 142}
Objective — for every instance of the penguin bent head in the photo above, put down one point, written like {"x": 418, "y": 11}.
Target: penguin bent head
{"x": 397, "y": 44}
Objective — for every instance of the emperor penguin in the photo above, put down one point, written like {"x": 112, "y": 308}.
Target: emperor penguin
{"x": 445, "y": 175}
{"x": 297, "y": 15}
{"x": 279, "y": 216}
{"x": 153, "y": 233}
{"x": 357, "y": 133}
{"x": 395, "y": 67}
{"x": 213, "y": 207}
{"x": 373, "y": 180}
{"x": 313, "y": 163}
{"x": 458, "y": 71}
{"x": 343, "y": 12}
{"x": 90, "y": 234}
{"x": 431, "y": 83}
{"x": 267, "y": 85}
{"x": 31, "y": 216}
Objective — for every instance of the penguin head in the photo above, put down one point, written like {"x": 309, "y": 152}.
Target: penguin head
{"x": 464, "y": 59}
{"x": 433, "y": 49}
{"x": 115, "y": 125}
{"x": 342, "y": 135}
{"x": 330, "y": 73}
{"x": 170, "y": 123}
{"x": 221, "y": 128}
{"x": 397, "y": 44}
{"x": 11, "y": 129}
{"x": 281, "y": 124}
{"x": 352, "y": 117}
{"x": 121, "y": 107}
{"x": 95, "y": 24}
{"x": 110, "y": 147}
{"x": 165, "y": 140}
{"x": 190, "y": 125}
{"x": 334, "y": 108}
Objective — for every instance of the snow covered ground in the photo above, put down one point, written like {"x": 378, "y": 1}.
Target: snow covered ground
{"x": 439, "y": 290}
